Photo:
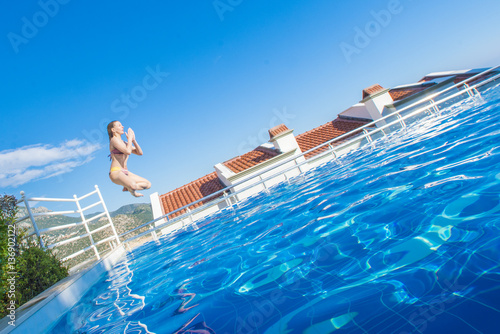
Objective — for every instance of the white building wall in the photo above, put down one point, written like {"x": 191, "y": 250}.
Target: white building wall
{"x": 158, "y": 212}
{"x": 370, "y": 108}
{"x": 313, "y": 163}
{"x": 358, "y": 110}
{"x": 156, "y": 207}
{"x": 269, "y": 183}
{"x": 283, "y": 142}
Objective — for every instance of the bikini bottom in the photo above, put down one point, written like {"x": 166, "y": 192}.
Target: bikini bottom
{"x": 118, "y": 169}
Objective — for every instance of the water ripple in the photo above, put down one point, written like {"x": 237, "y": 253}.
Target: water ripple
{"x": 370, "y": 243}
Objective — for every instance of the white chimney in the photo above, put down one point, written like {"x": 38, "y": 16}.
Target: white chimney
{"x": 283, "y": 139}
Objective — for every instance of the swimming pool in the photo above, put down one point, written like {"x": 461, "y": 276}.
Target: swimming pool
{"x": 401, "y": 236}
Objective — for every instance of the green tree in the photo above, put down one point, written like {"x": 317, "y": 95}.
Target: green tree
{"x": 35, "y": 269}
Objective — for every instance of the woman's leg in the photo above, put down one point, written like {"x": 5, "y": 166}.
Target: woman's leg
{"x": 118, "y": 177}
{"x": 141, "y": 182}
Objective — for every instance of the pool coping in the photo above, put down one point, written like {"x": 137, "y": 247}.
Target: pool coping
{"x": 42, "y": 312}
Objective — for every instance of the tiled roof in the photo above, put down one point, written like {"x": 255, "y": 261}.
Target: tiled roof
{"x": 442, "y": 75}
{"x": 324, "y": 133}
{"x": 250, "y": 159}
{"x": 273, "y": 132}
{"x": 402, "y": 93}
{"x": 372, "y": 90}
{"x": 191, "y": 192}
{"x": 462, "y": 77}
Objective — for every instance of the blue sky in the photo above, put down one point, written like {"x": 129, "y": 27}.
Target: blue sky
{"x": 202, "y": 81}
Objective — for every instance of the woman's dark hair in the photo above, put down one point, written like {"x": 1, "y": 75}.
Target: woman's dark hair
{"x": 110, "y": 126}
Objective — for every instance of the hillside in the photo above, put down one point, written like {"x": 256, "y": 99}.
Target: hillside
{"x": 140, "y": 212}
{"x": 124, "y": 219}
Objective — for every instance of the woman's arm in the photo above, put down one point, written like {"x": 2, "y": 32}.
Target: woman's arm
{"x": 121, "y": 146}
{"x": 136, "y": 149}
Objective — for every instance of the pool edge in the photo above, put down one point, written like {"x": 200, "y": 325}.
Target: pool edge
{"x": 57, "y": 300}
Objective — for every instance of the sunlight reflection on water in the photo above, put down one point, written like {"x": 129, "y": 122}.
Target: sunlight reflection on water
{"x": 401, "y": 236}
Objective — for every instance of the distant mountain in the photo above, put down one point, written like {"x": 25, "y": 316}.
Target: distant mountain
{"x": 45, "y": 221}
{"x": 128, "y": 209}
{"x": 141, "y": 210}
{"x": 130, "y": 216}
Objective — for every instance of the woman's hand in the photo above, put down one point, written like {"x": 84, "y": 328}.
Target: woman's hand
{"x": 130, "y": 135}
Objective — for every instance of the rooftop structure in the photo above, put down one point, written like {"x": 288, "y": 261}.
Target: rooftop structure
{"x": 326, "y": 132}
{"x": 190, "y": 193}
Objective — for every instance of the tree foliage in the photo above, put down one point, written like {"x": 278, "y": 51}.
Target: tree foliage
{"x": 25, "y": 269}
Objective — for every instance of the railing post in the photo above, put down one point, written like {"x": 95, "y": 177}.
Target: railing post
{"x": 84, "y": 221}
{"x": 228, "y": 203}
{"x": 401, "y": 121}
{"x": 153, "y": 234}
{"x": 477, "y": 92}
{"x": 298, "y": 167}
{"x": 468, "y": 90}
{"x": 471, "y": 91}
{"x": 263, "y": 183}
{"x": 434, "y": 106}
{"x": 107, "y": 215}
{"x": 191, "y": 218}
{"x": 367, "y": 136}
{"x": 333, "y": 151}
{"x": 35, "y": 227}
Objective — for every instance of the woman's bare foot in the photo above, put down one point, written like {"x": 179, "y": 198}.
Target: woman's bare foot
{"x": 135, "y": 193}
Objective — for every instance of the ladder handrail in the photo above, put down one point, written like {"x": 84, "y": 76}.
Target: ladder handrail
{"x": 84, "y": 221}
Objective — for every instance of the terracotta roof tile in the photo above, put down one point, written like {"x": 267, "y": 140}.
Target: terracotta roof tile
{"x": 460, "y": 77}
{"x": 190, "y": 193}
{"x": 324, "y": 133}
{"x": 399, "y": 94}
{"x": 463, "y": 77}
{"x": 372, "y": 90}
{"x": 404, "y": 92}
{"x": 273, "y": 132}
{"x": 250, "y": 159}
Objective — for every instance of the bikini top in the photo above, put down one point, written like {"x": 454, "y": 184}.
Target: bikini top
{"x": 116, "y": 151}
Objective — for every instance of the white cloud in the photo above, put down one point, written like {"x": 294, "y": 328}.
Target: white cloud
{"x": 28, "y": 163}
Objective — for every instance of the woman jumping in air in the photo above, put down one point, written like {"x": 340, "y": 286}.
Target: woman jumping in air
{"x": 120, "y": 152}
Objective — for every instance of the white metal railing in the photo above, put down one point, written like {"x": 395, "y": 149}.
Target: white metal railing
{"x": 332, "y": 147}
{"x": 84, "y": 221}
{"x": 344, "y": 141}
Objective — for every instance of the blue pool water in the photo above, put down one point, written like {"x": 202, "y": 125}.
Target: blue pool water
{"x": 398, "y": 237}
